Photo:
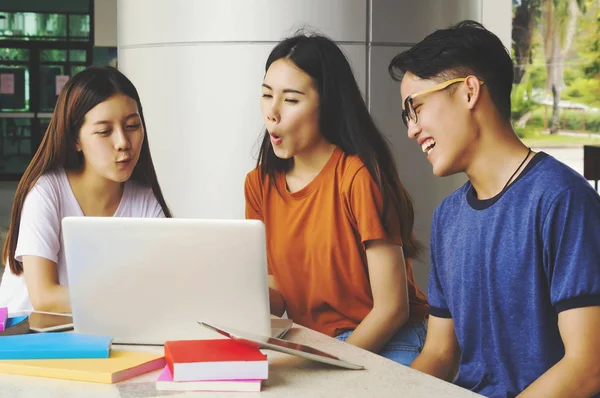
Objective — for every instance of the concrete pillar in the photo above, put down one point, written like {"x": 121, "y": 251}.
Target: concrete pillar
{"x": 105, "y": 23}
{"x": 198, "y": 66}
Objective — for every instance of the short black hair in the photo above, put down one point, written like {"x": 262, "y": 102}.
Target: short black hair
{"x": 460, "y": 50}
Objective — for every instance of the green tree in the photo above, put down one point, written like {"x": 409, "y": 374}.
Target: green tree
{"x": 589, "y": 45}
{"x": 559, "y": 26}
{"x": 525, "y": 17}
{"x": 582, "y": 73}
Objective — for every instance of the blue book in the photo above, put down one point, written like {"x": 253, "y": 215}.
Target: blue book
{"x": 54, "y": 346}
{"x": 17, "y": 325}
{"x": 10, "y": 322}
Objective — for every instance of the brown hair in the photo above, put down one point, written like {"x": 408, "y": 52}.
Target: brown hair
{"x": 80, "y": 94}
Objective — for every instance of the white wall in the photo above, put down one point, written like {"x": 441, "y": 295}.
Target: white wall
{"x": 105, "y": 23}
{"x": 496, "y": 15}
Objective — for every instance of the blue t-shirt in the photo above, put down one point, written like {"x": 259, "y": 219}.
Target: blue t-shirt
{"x": 503, "y": 268}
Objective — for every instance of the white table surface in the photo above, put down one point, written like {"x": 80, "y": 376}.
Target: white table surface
{"x": 289, "y": 376}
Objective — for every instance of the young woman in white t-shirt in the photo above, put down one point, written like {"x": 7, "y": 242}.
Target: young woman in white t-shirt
{"x": 94, "y": 160}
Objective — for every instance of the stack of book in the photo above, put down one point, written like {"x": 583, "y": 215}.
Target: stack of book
{"x": 73, "y": 356}
{"x": 212, "y": 365}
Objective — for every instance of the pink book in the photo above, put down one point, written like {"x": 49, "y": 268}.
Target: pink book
{"x": 165, "y": 383}
{"x": 3, "y": 318}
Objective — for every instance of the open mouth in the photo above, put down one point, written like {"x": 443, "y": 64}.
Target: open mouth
{"x": 428, "y": 145}
{"x": 275, "y": 139}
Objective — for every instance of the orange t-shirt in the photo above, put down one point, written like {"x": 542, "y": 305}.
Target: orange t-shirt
{"x": 315, "y": 243}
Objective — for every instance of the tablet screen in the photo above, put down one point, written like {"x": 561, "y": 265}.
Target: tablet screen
{"x": 284, "y": 346}
{"x": 49, "y": 322}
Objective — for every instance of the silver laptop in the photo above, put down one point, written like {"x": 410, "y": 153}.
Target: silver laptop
{"x": 147, "y": 281}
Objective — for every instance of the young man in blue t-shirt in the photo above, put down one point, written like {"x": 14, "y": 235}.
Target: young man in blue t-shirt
{"x": 515, "y": 253}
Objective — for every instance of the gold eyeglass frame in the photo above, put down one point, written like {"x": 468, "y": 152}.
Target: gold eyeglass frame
{"x": 409, "y": 108}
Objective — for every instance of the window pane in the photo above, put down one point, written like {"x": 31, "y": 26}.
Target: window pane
{"x": 15, "y": 144}
{"x": 75, "y": 69}
{"x": 77, "y": 55}
{"x": 16, "y": 97}
{"x": 14, "y": 54}
{"x": 53, "y": 55}
{"x": 32, "y": 25}
{"x": 105, "y": 56}
{"x": 48, "y": 93}
{"x": 79, "y": 25}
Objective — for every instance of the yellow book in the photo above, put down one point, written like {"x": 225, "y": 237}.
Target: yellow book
{"x": 120, "y": 366}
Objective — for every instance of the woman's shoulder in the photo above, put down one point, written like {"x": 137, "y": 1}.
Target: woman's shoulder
{"x": 54, "y": 176}
{"x": 52, "y": 182}
{"x": 255, "y": 179}
{"x": 253, "y": 175}
{"x": 350, "y": 169}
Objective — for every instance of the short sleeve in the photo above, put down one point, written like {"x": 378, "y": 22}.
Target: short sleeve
{"x": 571, "y": 241}
{"x": 252, "y": 195}
{"x": 366, "y": 207}
{"x": 39, "y": 229}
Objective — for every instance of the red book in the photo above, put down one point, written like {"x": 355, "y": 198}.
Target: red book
{"x": 192, "y": 360}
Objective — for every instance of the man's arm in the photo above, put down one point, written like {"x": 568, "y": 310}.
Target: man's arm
{"x": 577, "y": 374}
{"x": 441, "y": 353}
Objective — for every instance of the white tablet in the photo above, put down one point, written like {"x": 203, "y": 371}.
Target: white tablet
{"x": 284, "y": 346}
{"x": 50, "y": 322}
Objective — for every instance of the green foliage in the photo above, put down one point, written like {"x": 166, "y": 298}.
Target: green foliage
{"x": 584, "y": 91}
{"x": 535, "y": 138}
{"x": 538, "y": 75}
{"x": 581, "y": 76}
{"x": 527, "y": 131}
{"x": 572, "y": 119}
{"x": 589, "y": 49}
{"x": 521, "y": 100}
{"x": 570, "y": 74}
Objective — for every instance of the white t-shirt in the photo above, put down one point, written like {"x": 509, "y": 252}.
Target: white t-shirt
{"x": 40, "y": 233}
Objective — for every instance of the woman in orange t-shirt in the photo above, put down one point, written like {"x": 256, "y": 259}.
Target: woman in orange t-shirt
{"x": 338, "y": 221}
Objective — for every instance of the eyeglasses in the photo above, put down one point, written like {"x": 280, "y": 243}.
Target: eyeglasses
{"x": 409, "y": 112}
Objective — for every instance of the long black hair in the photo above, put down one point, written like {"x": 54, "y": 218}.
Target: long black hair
{"x": 344, "y": 121}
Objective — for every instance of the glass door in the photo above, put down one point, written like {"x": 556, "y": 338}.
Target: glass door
{"x": 16, "y": 116}
{"x": 40, "y": 52}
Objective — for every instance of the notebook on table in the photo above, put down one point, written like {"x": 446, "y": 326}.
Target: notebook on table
{"x": 54, "y": 346}
{"x": 121, "y": 365}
